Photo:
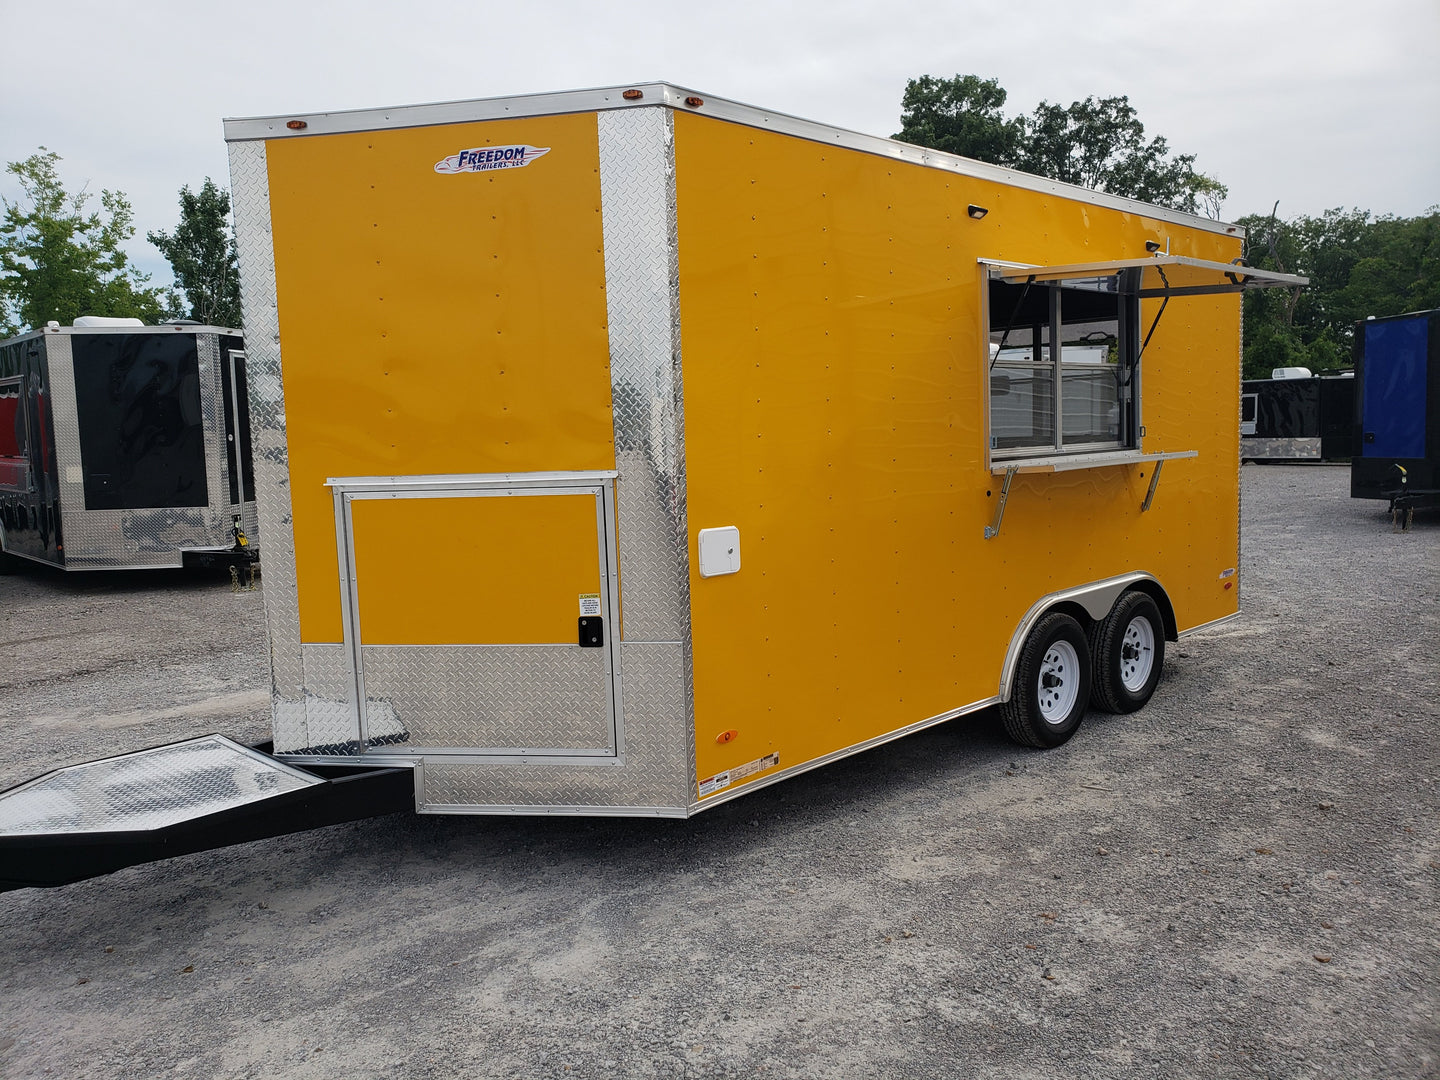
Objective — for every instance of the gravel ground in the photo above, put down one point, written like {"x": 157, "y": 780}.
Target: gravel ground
{"x": 1239, "y": 881}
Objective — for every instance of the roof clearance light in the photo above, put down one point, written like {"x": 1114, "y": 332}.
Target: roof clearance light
{"x": 297, "y": 125}
{"x": 633, "y": 95}
{"x": 977, "y": 212}
{"x": 694, "y": 102}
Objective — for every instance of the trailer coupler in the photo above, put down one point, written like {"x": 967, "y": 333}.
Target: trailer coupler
{"x": 86, "y": 820}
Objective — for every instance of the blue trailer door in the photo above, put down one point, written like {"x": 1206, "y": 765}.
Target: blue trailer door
{"x": 1394, "y": 393}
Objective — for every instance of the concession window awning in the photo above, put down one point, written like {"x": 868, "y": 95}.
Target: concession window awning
{"x": 1158, "y": 276}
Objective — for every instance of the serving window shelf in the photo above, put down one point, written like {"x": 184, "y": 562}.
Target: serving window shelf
{"x": 1072, "y": 462}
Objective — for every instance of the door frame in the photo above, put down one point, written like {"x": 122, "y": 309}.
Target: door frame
{"x": 232, "y": 365}
{"x": 600, "y": 483}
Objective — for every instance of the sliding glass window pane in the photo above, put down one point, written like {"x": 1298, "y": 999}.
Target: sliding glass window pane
{"x": 1022, "y": 406}
{"x": 1090, "y": 405}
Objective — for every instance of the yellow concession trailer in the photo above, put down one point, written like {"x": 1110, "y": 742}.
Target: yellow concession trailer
{"x": 673, "y": 446}
{"x": 620, "y": 451}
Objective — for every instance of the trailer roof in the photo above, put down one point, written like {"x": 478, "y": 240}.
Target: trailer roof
{"x": 669, "y": 95}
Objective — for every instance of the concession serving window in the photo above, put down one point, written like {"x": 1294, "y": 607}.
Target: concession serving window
{"x": 1065, "y": 349}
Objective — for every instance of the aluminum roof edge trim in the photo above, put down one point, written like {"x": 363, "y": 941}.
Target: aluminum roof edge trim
{"x": 1241, "y": 276}
{"x": 52, "y": 331}
{"x": 242, "y": 129}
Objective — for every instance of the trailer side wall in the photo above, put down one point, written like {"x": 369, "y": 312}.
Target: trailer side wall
{"x": 835, "y": 403}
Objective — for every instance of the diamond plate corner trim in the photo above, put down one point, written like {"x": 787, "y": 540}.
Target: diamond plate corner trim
{"x": 682, "y": 507}
{"x": 65, "y": 416}
{"x": 642, "y": 283}
{"x": 654, "y": 779}
{"x": 250, "y": 198}
{"x": 637, "y": 192}
{"x": 212, "y": 426}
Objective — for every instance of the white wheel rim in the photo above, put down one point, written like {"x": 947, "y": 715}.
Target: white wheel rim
{"x": 1137, "y": 654}
{"x": 1059, "y": 682}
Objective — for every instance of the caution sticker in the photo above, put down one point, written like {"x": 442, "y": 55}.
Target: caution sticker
{"x": 715, "y": 783}
{"x": 589, "y": 603}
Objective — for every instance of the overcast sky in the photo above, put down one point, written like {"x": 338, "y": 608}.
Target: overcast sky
{"x": 1316, "y": 103}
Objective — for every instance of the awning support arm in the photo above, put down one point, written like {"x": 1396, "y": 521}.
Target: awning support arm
{"x": 992, "y": 531}
{"x": 1154, "y": 479}
{"x": 1011, "y": 325}
{"x": 1165, "y": 300}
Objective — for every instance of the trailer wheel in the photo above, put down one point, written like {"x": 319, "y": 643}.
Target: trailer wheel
{"x": 1052, "y": 683}
{"x": 1127, "y": 649}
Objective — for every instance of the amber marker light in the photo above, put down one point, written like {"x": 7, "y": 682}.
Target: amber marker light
{"x": 694, "y": 102}
{"x": 297, "y": 125}
{"x": 633, "y": 95}
{"x": 727, "y": 736}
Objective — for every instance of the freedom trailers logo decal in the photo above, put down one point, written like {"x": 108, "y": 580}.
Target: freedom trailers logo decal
{"x": 486, "y": 158}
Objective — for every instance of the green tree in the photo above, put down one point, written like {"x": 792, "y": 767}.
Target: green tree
{"x": 1358, "y": 266}
{"x": 960, "y": 116}
{"x": 59, "y": 262}
{"x": 201, "y": 252}
{"x": 1098, "y": 143}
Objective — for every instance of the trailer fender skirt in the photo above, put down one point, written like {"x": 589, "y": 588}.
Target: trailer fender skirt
{"x": 91, "y": 819}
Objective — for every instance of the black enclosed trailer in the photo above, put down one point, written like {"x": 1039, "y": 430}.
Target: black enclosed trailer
{"x": 1397, "y": 409}
{"x": 1297, "y": 417}
{"x": 125, "y": 446}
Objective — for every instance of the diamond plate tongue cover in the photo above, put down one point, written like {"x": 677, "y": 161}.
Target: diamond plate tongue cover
{"x": 150, "y": 789}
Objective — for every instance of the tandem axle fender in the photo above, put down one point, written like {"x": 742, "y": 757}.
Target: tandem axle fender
{"x": 1100, "y": 645}
{"x": 1096, "y": 599}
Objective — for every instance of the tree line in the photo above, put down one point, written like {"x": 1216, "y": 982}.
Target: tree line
{"x": 1358, "y": 264}
{"x": 60, "y": 259}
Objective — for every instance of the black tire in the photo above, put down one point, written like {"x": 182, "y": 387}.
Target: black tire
{"x": 1127, "y": 650}
{"x": 1045, "y": 706}
{"x": 9, "y": 564}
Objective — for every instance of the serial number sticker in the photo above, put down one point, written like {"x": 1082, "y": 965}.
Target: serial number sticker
{"x": 589, "y": 603}
{"x": 715, "y": 783}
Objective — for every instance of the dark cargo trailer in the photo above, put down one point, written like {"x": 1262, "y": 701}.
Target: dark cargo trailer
{"x": 1297, "y": 418}
{"x": 125, "y": 446}
{"x": 1397, "y": 409}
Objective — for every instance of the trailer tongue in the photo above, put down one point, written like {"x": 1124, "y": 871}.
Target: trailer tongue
{"x": 91, "y": 819}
